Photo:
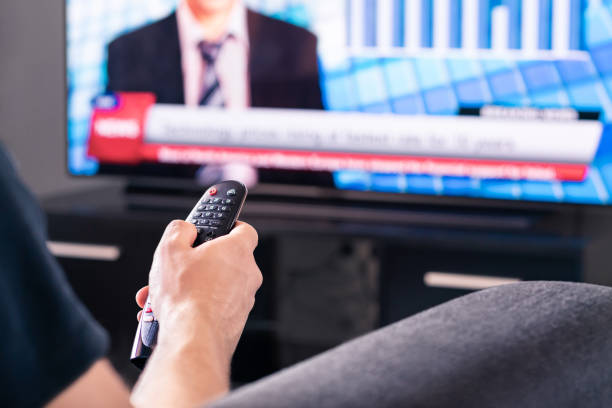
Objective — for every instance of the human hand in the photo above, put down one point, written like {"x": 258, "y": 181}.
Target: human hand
{"x": 209, "y": 288}
{"x": 201, "y": 297}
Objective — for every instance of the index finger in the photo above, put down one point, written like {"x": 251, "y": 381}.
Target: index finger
{"x": 179, "y": 233}
{"x": 141, "y": 296}
{"x": 246, "y": 232}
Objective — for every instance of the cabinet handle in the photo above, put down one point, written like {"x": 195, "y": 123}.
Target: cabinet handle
{"x": 79, "y": 250}
{"x": 450, "y": 280}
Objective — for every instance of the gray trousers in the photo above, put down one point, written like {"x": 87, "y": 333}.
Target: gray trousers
{"x": 537, "y": 344}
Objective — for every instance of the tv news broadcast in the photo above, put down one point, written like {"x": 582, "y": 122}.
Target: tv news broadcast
{"x": 502, "y": 99}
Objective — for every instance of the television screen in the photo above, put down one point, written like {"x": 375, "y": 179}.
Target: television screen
{"x": 505, "y": 99}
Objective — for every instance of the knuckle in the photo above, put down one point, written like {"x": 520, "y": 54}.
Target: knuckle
{"x": 166, "y": 248}
{"x": 254, "y": 234}
{"x": 257, "y": 277}
{"x": 172, "y": 231}
{"x": 175, "y": 225}
{"x": 252, "y": 229}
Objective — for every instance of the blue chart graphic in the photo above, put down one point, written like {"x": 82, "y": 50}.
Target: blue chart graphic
{"x": 527, "y": 25}
{"x": 407, "y": 57}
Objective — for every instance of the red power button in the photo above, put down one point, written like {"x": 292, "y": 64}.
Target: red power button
{"x": 212, "y": 191}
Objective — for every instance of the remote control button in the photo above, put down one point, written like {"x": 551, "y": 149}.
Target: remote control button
{"x": 201, "y": 208}
{"x": 231, "y": 192}
{"x": 212, "y": 191}
{"x": 147, "y": 318}
{"x": 217, "y": 201}
{"x": 209, "y": 201}
{"x": 212, "y": 207}
{"x": 208, "y": 214}
{"x": 215, "y": 222}
{"x": 148, "y": 310}
{"x": 225, "y": 208}
{"x": 219, "y": 215}
{"x": 228, "y": 201}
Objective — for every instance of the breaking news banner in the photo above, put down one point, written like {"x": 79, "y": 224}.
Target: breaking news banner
{"x": 131, "y": 128}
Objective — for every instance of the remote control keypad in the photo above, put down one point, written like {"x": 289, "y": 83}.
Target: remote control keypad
{"x": 213, "y": 213}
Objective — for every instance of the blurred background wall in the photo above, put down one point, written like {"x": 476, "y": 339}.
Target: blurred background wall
{"x": 32, "y": 93}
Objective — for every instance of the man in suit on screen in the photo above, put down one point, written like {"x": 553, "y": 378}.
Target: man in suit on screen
{"x": 218, "y": 53}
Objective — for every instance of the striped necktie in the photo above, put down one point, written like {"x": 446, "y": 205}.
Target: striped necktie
{"x": 211, "y": 89}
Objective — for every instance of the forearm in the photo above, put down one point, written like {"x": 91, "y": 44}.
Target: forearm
{"x": 100, "y": 387}
{"x": 186, "y": 369}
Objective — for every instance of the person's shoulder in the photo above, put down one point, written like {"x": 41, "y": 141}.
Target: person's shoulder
{"x": 145, "y": 34}
{"x": 291, "y": 33}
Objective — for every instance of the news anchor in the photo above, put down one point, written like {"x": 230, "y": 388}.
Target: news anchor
{"x": 218, "y": 53}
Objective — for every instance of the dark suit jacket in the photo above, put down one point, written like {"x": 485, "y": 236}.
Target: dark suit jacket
{"x": 283, "y": 68}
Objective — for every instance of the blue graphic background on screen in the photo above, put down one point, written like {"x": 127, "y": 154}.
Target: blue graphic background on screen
{"x": 402, "y": 84}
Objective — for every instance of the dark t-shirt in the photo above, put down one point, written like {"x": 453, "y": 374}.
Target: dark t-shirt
{"x": 47, "y": 337}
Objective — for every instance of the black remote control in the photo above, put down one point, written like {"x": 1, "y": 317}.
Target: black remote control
{"x": 214, "y": 215}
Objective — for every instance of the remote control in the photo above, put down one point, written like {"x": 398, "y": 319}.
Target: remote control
{"x": 214, "y": 215}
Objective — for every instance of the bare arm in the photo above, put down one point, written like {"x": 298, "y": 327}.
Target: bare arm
{"x": 100, "y": 386}
{"x": 202, "y": 297}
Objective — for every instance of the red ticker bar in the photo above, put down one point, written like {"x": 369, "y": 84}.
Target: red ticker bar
{"x": 489, "y": 169}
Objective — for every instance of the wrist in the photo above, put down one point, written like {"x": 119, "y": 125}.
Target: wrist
{"x": 181, "y": 318}
{"x": 186, "y": 362}
{"x": 203, "y": 354}
{"x": 184, "y": 328}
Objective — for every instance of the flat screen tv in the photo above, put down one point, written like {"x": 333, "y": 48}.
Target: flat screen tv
{"x": 497, "y": 99}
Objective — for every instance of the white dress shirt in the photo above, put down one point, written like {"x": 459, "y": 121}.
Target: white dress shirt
{"x": 231, "y": 65}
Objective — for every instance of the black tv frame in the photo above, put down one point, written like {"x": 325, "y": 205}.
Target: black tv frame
{"x": 148, "y": 181}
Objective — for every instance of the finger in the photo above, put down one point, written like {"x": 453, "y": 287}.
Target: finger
{"x": 141, "y": 296}
{"x": 179, "y": 234}
{"x": 258, "y": 278}
{"x": 138, "y": 315}
{"x": 255, "y": 279}
{"x": 245, "y": 232}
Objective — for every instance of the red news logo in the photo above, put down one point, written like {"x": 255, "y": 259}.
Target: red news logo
{"x": 114, "y": 128}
